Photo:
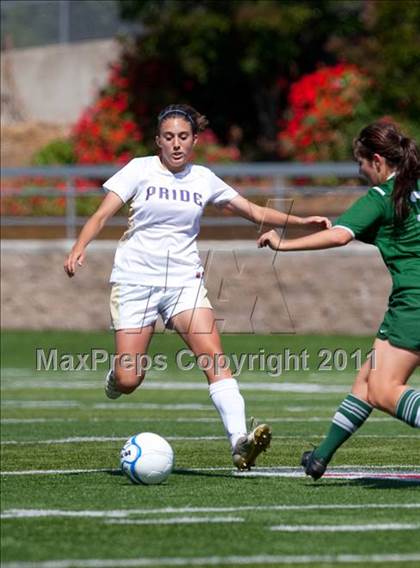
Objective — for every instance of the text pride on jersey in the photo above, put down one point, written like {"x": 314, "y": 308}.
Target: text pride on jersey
{"x": 174, "y": 195}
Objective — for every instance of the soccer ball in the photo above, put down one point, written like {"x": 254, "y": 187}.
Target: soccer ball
{"x": 147, "y": 458}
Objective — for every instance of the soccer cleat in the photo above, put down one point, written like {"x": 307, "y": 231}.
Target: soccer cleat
{"x": 315, "y": 467}
{"x": 249, "y": 447}
{"x": 110, "y": 386}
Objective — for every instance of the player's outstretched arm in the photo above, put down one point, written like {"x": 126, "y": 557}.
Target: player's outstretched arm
{"x": 335, "y": 237}
{"x": 109, "y": 206}
{"x": 271, "y": 217}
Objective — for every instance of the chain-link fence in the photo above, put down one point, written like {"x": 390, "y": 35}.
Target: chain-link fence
{"x": 27, "y": 23}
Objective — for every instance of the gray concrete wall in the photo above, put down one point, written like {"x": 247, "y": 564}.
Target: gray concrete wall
{"x": 53, "y": 83}
{"x": 338, "y": 291}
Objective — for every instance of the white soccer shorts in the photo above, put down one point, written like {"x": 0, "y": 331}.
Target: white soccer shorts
{"x": 133, "y": 306}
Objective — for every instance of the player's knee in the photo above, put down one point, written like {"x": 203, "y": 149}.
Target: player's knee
{"x": 378, "y": 397}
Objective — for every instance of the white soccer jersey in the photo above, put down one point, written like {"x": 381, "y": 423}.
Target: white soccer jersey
{"x": 159, "y": 247}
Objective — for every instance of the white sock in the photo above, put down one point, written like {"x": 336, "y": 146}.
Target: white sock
{"x": 230, "y": 405}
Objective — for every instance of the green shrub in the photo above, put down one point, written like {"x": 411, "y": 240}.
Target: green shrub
{"x": 59, "y": 151}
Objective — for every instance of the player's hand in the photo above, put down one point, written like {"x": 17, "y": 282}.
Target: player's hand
{"x": 75, "y": 258}
{"x": 269, "y": 239}
{"x": 317, "y": 222}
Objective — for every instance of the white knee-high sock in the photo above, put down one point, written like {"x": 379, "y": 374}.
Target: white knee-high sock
{"x": 230, "y": 405}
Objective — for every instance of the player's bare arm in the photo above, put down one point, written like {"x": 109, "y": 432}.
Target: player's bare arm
{"x": 109, "y": 206}
{"x": 331, "y": 238}
{"x": 271, "y": 217}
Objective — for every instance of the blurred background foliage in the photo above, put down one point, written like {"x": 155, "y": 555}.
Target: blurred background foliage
{"x": 244, "y": 64}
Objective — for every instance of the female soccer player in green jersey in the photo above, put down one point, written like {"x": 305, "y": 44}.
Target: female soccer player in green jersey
{"x": 388, "y": 216}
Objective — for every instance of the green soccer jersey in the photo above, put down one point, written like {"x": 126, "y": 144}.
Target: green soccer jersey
{"x": 371, "y": 219}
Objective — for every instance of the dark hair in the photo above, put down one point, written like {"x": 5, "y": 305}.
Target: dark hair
{"x": 198, "y": 121}
{"x": 399, "y": 151}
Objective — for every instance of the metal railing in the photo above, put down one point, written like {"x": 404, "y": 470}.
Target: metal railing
{"x": 278, "y": 178}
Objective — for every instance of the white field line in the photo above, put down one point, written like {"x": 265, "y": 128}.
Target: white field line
{"x": 103, "y": 405}
{"x": 13, "y": 373}
{"x": 260, "y": 560}
{"x": 290, "y": 419}
{"x": 8, "y": 385}
{"x": 127, "y": 513}
{"x": 288, "y": 387}
{"x": 347, "y": 528}
{"x": 331, "y": 474}
{"x": 348, "y": 467}
{"x": 151, "y": 406}
{"x": 180, "y": 420}
{"x": 106, "y": 439}
{"x": 310, "y": 407}
{"x": 39, "y": 420}
{"x": 176, "y": 521}
{"x": 40, "y": 404}
{"x": 343, "y": 471}
{"x": 58, "y": 471}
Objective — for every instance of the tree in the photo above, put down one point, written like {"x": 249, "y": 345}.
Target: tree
{"x": 232, "y": 60}
{"x": 389, "y": 50}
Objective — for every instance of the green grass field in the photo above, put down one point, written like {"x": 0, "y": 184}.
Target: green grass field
{"x": 65, "y": 503}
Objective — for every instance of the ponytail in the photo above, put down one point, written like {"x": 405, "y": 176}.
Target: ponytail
{"x": 407, "y": 174}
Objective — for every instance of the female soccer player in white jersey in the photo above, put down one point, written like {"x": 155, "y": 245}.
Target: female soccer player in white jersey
{"x": 157, "y": 269}
{"x": 389, "y": 217}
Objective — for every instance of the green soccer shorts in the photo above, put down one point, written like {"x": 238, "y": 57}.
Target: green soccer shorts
{"x": 401, "y": 324}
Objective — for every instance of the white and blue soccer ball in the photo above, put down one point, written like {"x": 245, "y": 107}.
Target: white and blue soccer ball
{"x": 147, "y": 458}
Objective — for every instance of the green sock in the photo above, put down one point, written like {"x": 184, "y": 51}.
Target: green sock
{"x": 408, "y": 408}
{"x": 350, "y": 415}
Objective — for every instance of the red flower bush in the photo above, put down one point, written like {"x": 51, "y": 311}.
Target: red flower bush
{"x": 209, "y": 150}
{"x": 324, "y": 108}
{"x": 107, "y": 130}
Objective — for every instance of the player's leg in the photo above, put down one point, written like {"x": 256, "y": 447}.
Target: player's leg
{"x": 127, "y": 372}
{"x": 133, "y": 313}
{"x": 387, "y": 383}
{"x": 131, "y": 346}
{"x": 198, "y": 329}
{"x": 349, "y": 416}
